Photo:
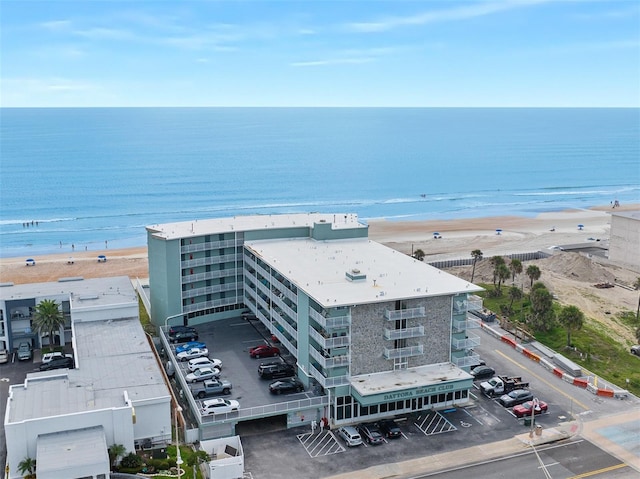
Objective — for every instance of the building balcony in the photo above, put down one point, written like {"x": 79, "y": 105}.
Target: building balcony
{"x": 195, "y": 292}
{"x": 474, "y": 303}
{"x": 211, "y": 245}
{"x": 193, "y": 263}
{"x": 329, "y": 362}
{"x": 471, "y": 341}
{"x": 466, "y": 361}
{"x": 219, "y": 273}
{"x": 329, "y": 343}
{"x": 330, "y": 322}
{"x": 328, "y": 382}
{"x": 404, "y": 314}
{"x": 393, "y": 334}
{"x": 460, "y": 325}
{"x": 404, "y": 352}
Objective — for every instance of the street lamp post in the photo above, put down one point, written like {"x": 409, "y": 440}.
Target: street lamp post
{"x": 166, "y": 321}
{"x": 535, "y": 406}
{"x": 178, "y": 457}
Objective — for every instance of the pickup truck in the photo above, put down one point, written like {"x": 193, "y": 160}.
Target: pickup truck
{"x": 499, "y": 385}
{"x": 211, "y": 387}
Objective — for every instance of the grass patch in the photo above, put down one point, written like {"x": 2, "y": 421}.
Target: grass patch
{"x": 592, "y": 347}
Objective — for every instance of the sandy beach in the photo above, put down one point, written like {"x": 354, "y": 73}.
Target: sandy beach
{"x": 568, "y": 275}
{"x": 457, "y": 238}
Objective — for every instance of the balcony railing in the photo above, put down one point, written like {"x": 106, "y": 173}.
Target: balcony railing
{"x": 393, "y": 334}
{"x": 210, "y": 245}
{"x": 465, "y": 361}
{"x": 460, "y": 325}
{"x": 330, "y": 322}
{"x": 330, "y": 362}
{"x": 192, "y": 293}
{"x": 471, "y": 341}
{"x": 474, "y": 303}
{"x": 328, "y": 382}
{"x": 329, "y": 343}
{"x": 226, "y": 258}
{"x": 411, "y": 313}
{"x": 403, "y": 352}
{"x": 219, "y": 273}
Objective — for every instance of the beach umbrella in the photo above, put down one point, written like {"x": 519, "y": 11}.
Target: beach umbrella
{"x": 436, "y": 233}
{"x": 498, "y": 231}
{"x": 580, "y": 227}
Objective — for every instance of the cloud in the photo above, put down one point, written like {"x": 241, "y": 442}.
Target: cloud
{"x": 333, "y": 61}
{"x": 56, "y": 25}
{"x": 434, "y": 16}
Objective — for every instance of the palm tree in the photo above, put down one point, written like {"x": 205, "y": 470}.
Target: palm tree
{"x": 636, "y": 285}
{"x": 27, "y": 467}
{"x": 503, "y": 274}
{"x": 476, "y": 254}
{"x": 515, "y": 293}
{"x": 534, "y": 273}
{"x": 48, "y": 318}
{"x": 572, "y": 319}
{"x": 496, "y": 261}
{"x": 419, "y": 254}
{"x": 116, "y": 451}
{"x": 516, "y": 268}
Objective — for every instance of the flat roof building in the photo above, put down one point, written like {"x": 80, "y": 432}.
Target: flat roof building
{"x": 379, "y": 331}
{"x": 116, "y": 393}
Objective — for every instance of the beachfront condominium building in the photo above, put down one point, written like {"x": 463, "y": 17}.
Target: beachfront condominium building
{"x": 115, "y": 393}
{"x": 380, "y": 332}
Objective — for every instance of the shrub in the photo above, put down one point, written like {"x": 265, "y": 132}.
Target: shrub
{"x": 131, "y": 461}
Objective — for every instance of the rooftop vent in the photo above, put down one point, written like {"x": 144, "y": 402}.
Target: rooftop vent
{"x": 355, "y": 275}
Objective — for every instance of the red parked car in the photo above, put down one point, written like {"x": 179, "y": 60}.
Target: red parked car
{"x": 264, "y": 351}
{"x": 524, "y": 409}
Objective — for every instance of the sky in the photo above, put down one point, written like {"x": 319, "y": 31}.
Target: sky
{"x": 320, "y": 53}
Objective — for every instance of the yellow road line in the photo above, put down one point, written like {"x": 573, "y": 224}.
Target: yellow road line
{"x": 586, "y": 408}
{"x": 599, "y": 471}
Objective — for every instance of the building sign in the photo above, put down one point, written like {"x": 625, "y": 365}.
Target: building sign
{"x": 412, "y": 393}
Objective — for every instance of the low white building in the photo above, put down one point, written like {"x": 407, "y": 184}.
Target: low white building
{"x": 624, "y": 242}
{"x": 67, "y": 419}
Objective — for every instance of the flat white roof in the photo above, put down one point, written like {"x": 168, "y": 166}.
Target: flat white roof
{"x": 320, "y": 269}
{"x": 101, "y": 291}
{"x": 61, "y": 452}
{"x": 111, "y": 357}
{"x": 421, "y": 376}
{"x": 187, "y": 229}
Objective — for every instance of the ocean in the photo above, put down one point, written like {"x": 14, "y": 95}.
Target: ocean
{"x": 95, "y": 177}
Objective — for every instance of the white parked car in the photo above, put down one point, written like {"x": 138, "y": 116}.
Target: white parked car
{"x": 192, "y": 353}
{"x": 202, "y": 374}
{"x": 219, "y": 406}
{"x": 204, "y": 362}
{"x": 47, "y": 357}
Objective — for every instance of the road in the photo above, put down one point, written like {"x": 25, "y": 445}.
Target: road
{"x": 569, "y": 460}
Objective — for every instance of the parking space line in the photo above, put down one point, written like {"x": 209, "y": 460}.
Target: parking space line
{"x": 321, "y": 444}
{"x": 575, "y": 401}
{"x": 473, "y": 417}
{"x": 434, "y": 423}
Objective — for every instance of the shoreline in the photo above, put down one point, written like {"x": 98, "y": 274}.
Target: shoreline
{"x": 456, "y": 238}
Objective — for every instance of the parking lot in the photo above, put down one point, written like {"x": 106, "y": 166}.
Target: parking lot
{"x": 230, "y": 341}
{"x": 298, "y": 452}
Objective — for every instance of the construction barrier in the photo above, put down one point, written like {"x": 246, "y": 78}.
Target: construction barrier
{"x": 582, "y": 383}
{"x": 605, "y": 392}
{"x": 558, "y": 372}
